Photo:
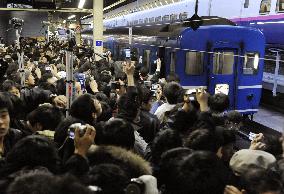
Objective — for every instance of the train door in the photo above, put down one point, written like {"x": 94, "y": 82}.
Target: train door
{"x": 222, "y": 73}
{"x": 161, "y": 55}
{"x": 146, "y": 57}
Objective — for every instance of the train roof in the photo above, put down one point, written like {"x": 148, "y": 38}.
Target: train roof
{"x": 165, "y": 30}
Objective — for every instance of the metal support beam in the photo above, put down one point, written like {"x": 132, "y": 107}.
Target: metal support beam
{"x": 69, "y": 10}
{"x": 276, "y": 72}
{"x": 98, "y": 27}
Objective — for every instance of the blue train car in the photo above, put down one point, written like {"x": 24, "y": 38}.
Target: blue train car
{"x": 221, "y": 58}
{"x": 228, "y": 62}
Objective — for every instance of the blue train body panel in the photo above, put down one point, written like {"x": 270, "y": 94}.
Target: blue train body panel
{"x": 220, "y": 58}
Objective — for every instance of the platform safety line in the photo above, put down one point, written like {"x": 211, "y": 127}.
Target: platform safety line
{"x": 247, "y": 110}
{"x": 194, "y": 87}
{"x": 250, "y": 87}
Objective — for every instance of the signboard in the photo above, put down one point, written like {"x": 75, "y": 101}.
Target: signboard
{"x": 99, "y": 43}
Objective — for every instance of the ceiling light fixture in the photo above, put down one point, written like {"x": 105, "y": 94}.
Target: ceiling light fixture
{"x": 71, "y": 17}
{"x": 81, "y": 4}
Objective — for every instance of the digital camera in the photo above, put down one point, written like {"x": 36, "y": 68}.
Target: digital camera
{"x": 136, "y": 186}
{"x": 16, "y": 22}
{"x": 71, "y": 131}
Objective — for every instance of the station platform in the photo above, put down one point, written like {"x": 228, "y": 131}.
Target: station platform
{"x": 270, "y": 118}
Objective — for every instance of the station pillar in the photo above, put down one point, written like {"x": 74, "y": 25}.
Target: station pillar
{"x": 78, "y": 30}
{"x": 98, "y": 6}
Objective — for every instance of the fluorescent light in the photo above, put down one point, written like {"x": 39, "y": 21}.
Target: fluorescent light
{"x": 71, "y": 17}
{"x": 64, "y": 21}
{"x": 81, "y": 4}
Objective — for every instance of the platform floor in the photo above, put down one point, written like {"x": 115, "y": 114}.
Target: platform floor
{"x": 270, "y": 118}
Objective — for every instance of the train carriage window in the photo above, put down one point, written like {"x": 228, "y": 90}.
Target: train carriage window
{"x": 158, "y": 19}
{"x": 134, "y": 54}
{"x": 223, "y": 63}
{"x": 166, "y": 18}
{"x": 173, "y": 62}
{"x": 173, "y": 17}
{"x": 183, "y": 16}
{"x": 265, "y": 6}
{"x": 246, "y": 4}
{"x": 251, "y": 64}
{"x": 280, "y": 6}
{"x": 146, "y": 20}
{"x": 151, "y": 20}
{"x": 194, "y": 63}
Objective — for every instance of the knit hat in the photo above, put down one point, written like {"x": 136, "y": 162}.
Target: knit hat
{"x": 244, "y": 159}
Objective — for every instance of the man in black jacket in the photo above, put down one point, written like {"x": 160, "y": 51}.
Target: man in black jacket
{"x": 8, "y": 136}
{"x": 149, "y": 122}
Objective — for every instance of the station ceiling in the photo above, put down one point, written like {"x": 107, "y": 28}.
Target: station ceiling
{"x": 64, "y": 4}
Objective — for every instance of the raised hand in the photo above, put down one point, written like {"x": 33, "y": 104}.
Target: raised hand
{"x": 82, "y": 144}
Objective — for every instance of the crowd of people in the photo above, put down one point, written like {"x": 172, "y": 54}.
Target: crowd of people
{"x": 125, "y": 132}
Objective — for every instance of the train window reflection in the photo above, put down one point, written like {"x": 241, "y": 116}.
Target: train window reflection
{"x": 223, "y": 63}
{"x": 251, "y": 64}
{"x": 194, "y": 63}
{"x": 173, "y": 62}
{"x": 280, "y": 6}
{"x": 265, "y": 6}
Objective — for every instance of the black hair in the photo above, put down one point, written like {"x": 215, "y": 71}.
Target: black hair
{"x": 165, "y": 140}
{"x": 32, "y": 181}
{"x": 44, "y": 182}
{"x": 17, "y": 110}
{"x": 44, "y": 78}
{"x": 173, "y": 77}
{"x": 14, "y": 56}
{"x": 117, "y": 132}
{"x": 9, "y": 84}
{"x": 234, "y": 116}
{"x": 120, "y": 76}
{"x": 5, "y": 103}
{"x": 145, "y": 94}
{"x": 48, "y": 58}
{"x": 172, "y": 92}
{"x": 273, "y": 145}
{"x": 144, "y": 71}
{"x": 201, "y": 172}
{"x": 15, "y": 76}
{"x": 49, "y": 117}
{"x": 106, "y": 112}
{"x": 169, "y": 167}
{"x": 83, "y": 108}
{"x": 127, "y": 107}
{"x": 12, "y": 68}
{"x": 61, "y": 87}
{"x": 258, "y": 180}
{"x": 203, "y": 139}
{"x": 102, "y": 97}
{"x": 219, "y": 102}
{"x": 183, "y": 121}
{"x": 30, "y": 152}
{"x": 109, "y": 177}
